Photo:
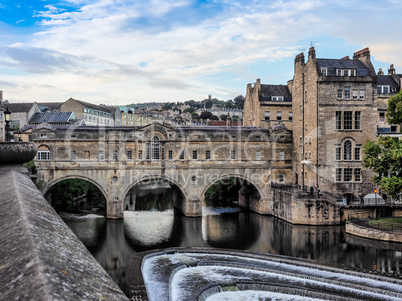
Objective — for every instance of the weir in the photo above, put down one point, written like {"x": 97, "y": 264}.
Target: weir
{"x": 205, "y": 274}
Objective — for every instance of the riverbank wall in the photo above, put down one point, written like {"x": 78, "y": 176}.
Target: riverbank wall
{"x": 287, "y": 206}
{"x": 40, "y": 257}
{"x": 372, "y": 233}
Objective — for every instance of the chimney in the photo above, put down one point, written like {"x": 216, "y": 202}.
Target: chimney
{"x": 391, "y": 70}
{"x": 345, "y": 58}
{"x": 311, "y": 53}
{"x": 1, "y": 98}
{"x": 380, "y": 72}
{"x": 300, "y": 58}
{"x": 364, "y": 57}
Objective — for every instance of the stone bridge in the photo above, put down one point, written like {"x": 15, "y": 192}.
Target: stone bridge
{"x": 190, "y": 159}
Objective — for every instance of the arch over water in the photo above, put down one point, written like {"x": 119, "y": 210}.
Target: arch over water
{"x": 243, "y": 200}
{"x": 179, "y": 192}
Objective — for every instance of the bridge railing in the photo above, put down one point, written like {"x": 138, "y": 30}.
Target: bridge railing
{"x": 367, "y": 219}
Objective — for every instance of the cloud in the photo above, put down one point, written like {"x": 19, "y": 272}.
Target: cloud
{"x": 164, "y": 47}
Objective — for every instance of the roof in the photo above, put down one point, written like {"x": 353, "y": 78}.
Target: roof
{"x": 267, "y": 91}
{"x": 19, "y": 107}
{"x": 95, "y": 107}
{"x": 341, "y": 64}
{"x": 52, "y": 106}
{"x": 51, "y": 117}
{"x": 386, "y": 80}
{"x": 333, "y": 64}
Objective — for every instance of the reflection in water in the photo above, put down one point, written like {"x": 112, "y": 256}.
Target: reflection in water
{"x": 114, "y": 242}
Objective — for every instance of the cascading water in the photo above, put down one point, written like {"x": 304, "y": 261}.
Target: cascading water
{"x": 211, "y": 275}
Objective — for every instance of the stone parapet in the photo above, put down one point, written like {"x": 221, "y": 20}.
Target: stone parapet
{"x": 40, "y": 257}
{"x": 371, "y": 233}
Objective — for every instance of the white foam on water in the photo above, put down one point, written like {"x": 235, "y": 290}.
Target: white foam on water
{"x": 149, "y": 227}
{"x": 79, "y": 216}
{"x": 249, "y": 295}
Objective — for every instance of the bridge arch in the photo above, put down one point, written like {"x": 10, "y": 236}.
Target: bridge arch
{"x": 176, "y": 203}
{"x": 252, "y": 202}
{"x": 96, "y": 184}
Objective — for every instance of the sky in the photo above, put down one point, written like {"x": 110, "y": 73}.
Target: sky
{"x": 134, "y": 51}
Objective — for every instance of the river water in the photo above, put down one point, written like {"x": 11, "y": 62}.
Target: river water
{"x": 154, "y": 225}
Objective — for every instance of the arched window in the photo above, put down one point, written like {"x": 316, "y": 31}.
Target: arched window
{"x": 155, "y": 148}
{"x": 43, "y": 153}
{"x": 347, "y": 150}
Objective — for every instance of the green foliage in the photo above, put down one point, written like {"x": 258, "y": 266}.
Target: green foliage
{"x": 208, "y": 103}
{"x": 239, "y": 101}
{"x": 189, "y": 110}
{"x": 223, "y": 193}
{"x": 235, "y": 118}
{"x": 195, "y": 115}
{"x": 223, "y": 117}
{"x": 394, "y": 111}
{"x": 384, "y": 157}
{"x": 66, "y": 194}
{"x": 167, "y": 106}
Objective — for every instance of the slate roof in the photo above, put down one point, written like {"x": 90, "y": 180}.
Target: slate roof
{"x": 92, "y": 106}
{"x": 52, "y": 106}
{"x": 267, "y": 91}
{"x": 333, "y": 64}
{"x": 51, "y": 117}
{"x": 19, "y": 107}
{"x": 386, "y": 80}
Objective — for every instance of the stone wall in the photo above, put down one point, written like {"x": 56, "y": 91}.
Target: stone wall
{"x": 40, "y": 257}
{"x": 287, "y": 206}
{"x": 373, "y": 233}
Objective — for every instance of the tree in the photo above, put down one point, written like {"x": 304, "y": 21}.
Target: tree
{"x": 195, "y": 115}
{"x": 223, "y": 117}
{"x": 205, "y": 115}
{"x": 167, "y": 106}
{"x": 384, "y": 157}
{"x": 189, "y": 110}
{"x": 394, "y": 111}
{"x": 208, "y": 104}
{"x": 239, "y": 101}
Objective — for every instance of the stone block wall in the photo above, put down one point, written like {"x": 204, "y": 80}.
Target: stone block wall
{"x": 40, "y": 257}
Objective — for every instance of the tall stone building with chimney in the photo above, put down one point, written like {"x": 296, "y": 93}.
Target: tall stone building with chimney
{"x": 336, "y": 105}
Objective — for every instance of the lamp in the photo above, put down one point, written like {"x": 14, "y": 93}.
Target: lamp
{"x": 7, "y": 114}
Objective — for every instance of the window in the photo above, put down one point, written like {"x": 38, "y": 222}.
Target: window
{"x": 338, "y": 72}
{"x": 347, "y": 92}
{"x": 282, "y": 156}
{"x": 347, "y": 150}
{"x": 300, "y": 141}
{"x": 101, "y": 156}
{"x": 182, "y": 155}
{"x": 155, "y": 148}
{"x": 347, "y": 120}
{"x": 382, "y": 117}
{"x": 357, "y": 120}
{"x": 301, "y": 113}
{"x": 115, "y": 155}
{"x": 258, "y": 155}
{"x": 233, "y": 155}
{"x": 208, "y": 155}
{"x": 129, "y": 154}
{"x": 382, "y": 89}
{"x": 43, "y": 135}
{"x": 357, "y": 153}
{"x": 338, "y": 123}
{"x": 140, "y": 154}
{"x": 309, "y": 156}
{"x": 324, "y": 71}
{"x": 170, "y": 154}
{"x": 279, "y": 115}
{"x": 290, "y": 116}
{"x": 43, "y": 156}
{"x": 73, "y": 155}
{"x": 354, "y": 94}
{"x": 338, "y": 154}
{"x": 361, "y": 94}
{"x": 195, "y": 155}
{"x": 357, "y": 174}
{"x": 281, "y": 177}
{"x": 309, "y": 140}
{"x": 347, "y": 174}
{"x": 339, "y": 94}
{"x": 394, "y": 128}
{"x": 267, "y": 115}
{"x": 280, "y": 98}
{"x": 87, "y": 155}
{"x": 338, "y": 175}
{"x": 305, "y": 96}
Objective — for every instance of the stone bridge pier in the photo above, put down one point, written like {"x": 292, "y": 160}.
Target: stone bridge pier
{"x": 190, "y": 184}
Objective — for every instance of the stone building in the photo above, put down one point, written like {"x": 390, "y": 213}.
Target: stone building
{"x": 338, "y": 104}
{"x": 131, "y": 118}
{"x": 267, "y": 105}
{"x": 92, "y": 114}
{"x": 2, "y": 123}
